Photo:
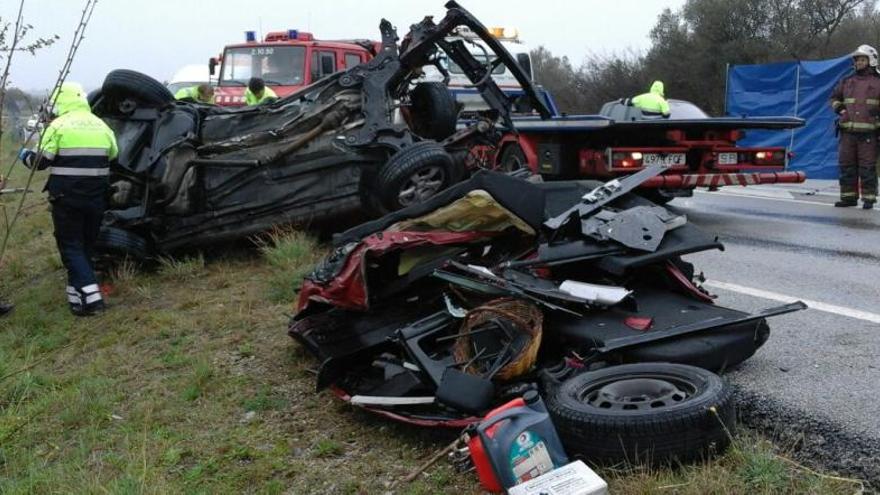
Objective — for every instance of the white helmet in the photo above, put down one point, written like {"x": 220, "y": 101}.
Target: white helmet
{"x": 866, "y": 51}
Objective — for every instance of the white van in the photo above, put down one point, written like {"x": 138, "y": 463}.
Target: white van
{"x": 189, "y": 75}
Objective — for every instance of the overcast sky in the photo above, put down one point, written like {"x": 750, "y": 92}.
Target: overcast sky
{"x": 159, "y": 36}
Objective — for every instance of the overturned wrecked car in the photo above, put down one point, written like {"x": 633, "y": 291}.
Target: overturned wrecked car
{"x": 366, "y": 140}
{"x": 439, "y": 312}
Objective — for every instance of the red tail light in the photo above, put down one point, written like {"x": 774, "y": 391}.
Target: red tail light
{"x": 626, "y": 160}
{"x": 769, "y": 157}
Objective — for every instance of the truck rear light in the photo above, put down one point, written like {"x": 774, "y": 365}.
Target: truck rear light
{"x": 770, "y": 157}
{"x": 626, "y": 160}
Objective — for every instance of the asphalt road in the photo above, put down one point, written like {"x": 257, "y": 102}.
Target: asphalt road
{"x": 817, "y": 380}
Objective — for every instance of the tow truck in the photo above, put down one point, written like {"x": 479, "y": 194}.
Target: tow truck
{"x": 286, "y": 60}
{"x": 461, "y": 88}
{"x": 699, "y": 150}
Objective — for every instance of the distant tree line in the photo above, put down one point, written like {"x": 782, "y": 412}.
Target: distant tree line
{"x": 691, "y": 47}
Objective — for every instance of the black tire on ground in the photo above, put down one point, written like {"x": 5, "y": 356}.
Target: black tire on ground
{"x": 414, "y": 174}
{"x": 434, "y": 111}
{"x": 647, "y": 413}
{"x": 512, "y": 158}
{"x": 657, "y": 196}
{"x": 122, "y": 243}
{"x": 129, "y": 83}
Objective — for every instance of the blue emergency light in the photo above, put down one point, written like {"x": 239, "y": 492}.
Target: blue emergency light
{"x": 250, "y": 36}
{"x": 292, "y": 34}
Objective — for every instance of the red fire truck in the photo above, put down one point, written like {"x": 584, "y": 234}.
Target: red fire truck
{"x": 286, "y": 60}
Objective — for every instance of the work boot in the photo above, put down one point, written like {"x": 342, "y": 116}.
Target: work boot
{"x": 95, "y": 308}
{"x": 867, "y": 205}
{"x": 845, "y": 203}
{"x": 78, "y": 310}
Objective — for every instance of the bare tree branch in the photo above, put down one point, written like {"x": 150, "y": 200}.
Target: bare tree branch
{"x": 78, "y": 36}
{"x": 15, "y": 39}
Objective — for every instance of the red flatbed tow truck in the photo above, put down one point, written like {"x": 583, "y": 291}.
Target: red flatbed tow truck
{"x": 700, "y": 151}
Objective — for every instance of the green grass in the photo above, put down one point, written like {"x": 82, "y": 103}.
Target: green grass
{"x": 179, "y": 270}
{"x": 188, "y": 384}
{"x": 292, "y": 254}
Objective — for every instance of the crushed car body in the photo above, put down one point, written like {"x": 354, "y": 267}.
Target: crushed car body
{"x": 369, "y": 139}
{"x": 436, "y": 313}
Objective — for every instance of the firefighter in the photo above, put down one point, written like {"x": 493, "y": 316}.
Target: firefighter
{"x": 654, "y": 101}
{"x": 856, "y": 99}
{"x": 77, "y": 147}
{"x": 258, "y": 93}
{"x": 203, "y": 93}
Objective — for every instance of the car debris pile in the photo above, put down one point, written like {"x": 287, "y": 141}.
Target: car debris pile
{"x": 439, "y": 312}
{"x": 372, "y": 139}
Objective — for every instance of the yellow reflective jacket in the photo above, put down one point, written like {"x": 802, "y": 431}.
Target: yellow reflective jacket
{"x": 191, "y": 92}
{"x": 654, "y": 100}
{"x": 251, "y": 99}
{"x": 77, "y": 145}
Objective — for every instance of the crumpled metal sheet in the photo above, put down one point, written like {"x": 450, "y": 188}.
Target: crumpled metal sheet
{"x": 641, "y": 227}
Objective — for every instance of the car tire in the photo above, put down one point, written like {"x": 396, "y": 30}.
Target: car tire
{"x": 647, "y": 413}
{"x": 122, "y": 243}
{"x": 433, "y": 110}
{"x": 129, "y": 83}
{"x": 414, "y": 174}
{"x": 512, "y": 158}
{"x": 94, "y": 97}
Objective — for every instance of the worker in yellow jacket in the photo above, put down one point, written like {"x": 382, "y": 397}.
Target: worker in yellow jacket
{"x": 654, "y": 101}
{"x": 77, "y": 148}
{"x": 258, "y": 93}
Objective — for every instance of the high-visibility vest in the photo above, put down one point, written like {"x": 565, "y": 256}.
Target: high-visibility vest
{"x": 77, "y": 143}
{"x": 191, "y": 92}
{"x": 252, "y": 99}
{"x": 653, "y": 101}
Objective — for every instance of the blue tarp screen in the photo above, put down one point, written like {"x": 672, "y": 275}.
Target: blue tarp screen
{"x": 796, "y": 89}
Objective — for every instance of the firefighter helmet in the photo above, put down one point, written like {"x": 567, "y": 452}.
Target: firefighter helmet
{"x": 866, "y": 51}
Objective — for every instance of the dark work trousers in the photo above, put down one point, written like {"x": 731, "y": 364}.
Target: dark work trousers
{"x": 857, "y": 154}
{"x": 77, "y": 221}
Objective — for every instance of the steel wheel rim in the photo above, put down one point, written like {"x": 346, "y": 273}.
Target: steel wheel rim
{"x": 636, "y": 393}
{"x": 421, "y": 185}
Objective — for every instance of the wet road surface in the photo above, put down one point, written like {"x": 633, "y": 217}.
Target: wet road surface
{"x": 817, "y": 379}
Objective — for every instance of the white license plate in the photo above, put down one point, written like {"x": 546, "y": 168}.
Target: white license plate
{"x": 666, "y": 159}
{"x": 727, "y": 159}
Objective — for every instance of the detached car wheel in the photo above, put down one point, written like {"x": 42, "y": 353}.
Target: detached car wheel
{"x": 414, "y": 174}
{"x": 434, "y": 111}
{"x": 647, "y": 413}
{"x": 128, "y": 83}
